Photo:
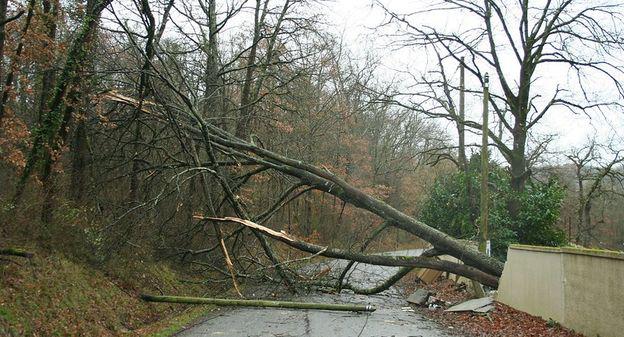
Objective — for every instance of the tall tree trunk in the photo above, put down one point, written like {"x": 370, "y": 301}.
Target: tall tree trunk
{"x": 581, "y": 205}
{"x": 587, "y": 227}
{"x": 518, "y": 169}
{"x": 53, "y": 132}
{"x": 53, "y": 154}
{"x": 8, "y": 81}
{"x": 79, "y": 161}
{"x": 50, "y": 10}
{"x": 212, "y": 94}
{"x": 461, "y": 128}
{"x": 71, "y": 101}
{"x": 144, "y": 90}
{"x": 244, "y": 123}
{"x": 3, "y": 13}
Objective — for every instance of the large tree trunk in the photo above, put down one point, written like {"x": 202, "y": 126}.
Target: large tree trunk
{"x": 50, "y": 10}
{"x": 518, "y": 169}
{"x": 244, "y": 123}
{"x": 55, "y": 121}
{"x": 212, "y": 95}
{"x": 461, "y": 128}
{"x": 66, "y": 109}
{"x": 323, "y": 180}
{"x": 3, "y": 12}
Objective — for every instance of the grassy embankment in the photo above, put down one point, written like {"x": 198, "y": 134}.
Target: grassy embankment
{"x": 51, "y": 295}
{"x": 70, "y": 289}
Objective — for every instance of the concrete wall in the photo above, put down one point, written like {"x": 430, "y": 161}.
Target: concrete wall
{"x": 533, "y": 282}
{"x": 580, "y": 288}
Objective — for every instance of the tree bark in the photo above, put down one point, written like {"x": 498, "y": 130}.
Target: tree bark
{"x": 55, "y": 121}
{"x": 258, "y": 303}
{"x": 461, "y": 128}
{"x": 383, "y": 286}
{"x": 485, "y": 162}
{"x": 8, "y": 81}
{"x": 50, "y": 9}
{"x": 326, "y": 181}
{"x": 16, "y": 252}
{"x": 3, "y": 12}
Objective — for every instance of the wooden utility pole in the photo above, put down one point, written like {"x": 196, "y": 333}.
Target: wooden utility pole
{"x": 460, "y": 123}
{"x": 258, "y": 303}
{"x": 484, "y": 242}
{"x": 484, "y": 246}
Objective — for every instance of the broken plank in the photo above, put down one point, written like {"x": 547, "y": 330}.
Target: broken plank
{"x": 471, "y": 305}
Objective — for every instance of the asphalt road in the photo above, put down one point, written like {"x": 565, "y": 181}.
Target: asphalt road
{"x": 390, "y": 319}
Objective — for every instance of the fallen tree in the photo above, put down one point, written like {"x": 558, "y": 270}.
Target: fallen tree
{"x": 383, "y": 286}
{"x": 340, "y": 283}
{"x": 258, "y": 303}
{"x": 374, "y": 259}
{"x": 324, "y": 180}
{"x": 186, "y": 117}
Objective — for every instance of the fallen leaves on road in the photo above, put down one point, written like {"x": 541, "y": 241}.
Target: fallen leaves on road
{"x": 501, "y": 322}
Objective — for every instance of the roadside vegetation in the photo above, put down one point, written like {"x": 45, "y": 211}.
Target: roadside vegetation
{"x": 453, "y": 207}
{"x": 180, "y": 147}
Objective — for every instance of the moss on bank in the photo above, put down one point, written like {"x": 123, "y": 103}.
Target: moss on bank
{"x": 51, "y": 295}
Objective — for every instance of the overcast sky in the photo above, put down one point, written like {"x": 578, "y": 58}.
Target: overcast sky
{"x": 356, "y": 20}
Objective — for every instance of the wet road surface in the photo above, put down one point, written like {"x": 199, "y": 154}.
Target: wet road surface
{"x": 390, "y": 319}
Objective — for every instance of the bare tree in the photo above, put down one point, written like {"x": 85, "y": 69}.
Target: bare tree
{"x": 519, "y": 41}
{"x": 597, "y": 171}
{"x": 53, "y": 132}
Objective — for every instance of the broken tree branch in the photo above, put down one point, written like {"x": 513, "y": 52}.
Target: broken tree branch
{"x": 16, "y": 252}
{"x": 326, "y": 181}
{"x": 368, "y": 241}
{"x": 258, "y": 303}
{"x": 383, "y": 286}
{"x": 380, "y": 260}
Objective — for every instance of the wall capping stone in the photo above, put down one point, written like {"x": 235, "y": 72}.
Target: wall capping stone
{"x": 610, "y": 254}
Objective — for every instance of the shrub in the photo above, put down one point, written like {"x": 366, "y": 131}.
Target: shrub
{"x": 453, "y": 207}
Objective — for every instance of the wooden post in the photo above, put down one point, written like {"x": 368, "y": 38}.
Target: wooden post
{"x": 460, "y": 123}
{"x": 257, "y": 303}
{"x": 483, "y": 242}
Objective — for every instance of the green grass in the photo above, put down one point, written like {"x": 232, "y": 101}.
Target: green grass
{"x": 6, "y": 315}
{"x": 181, "y": 321}
{"x": 52, "y": 295}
